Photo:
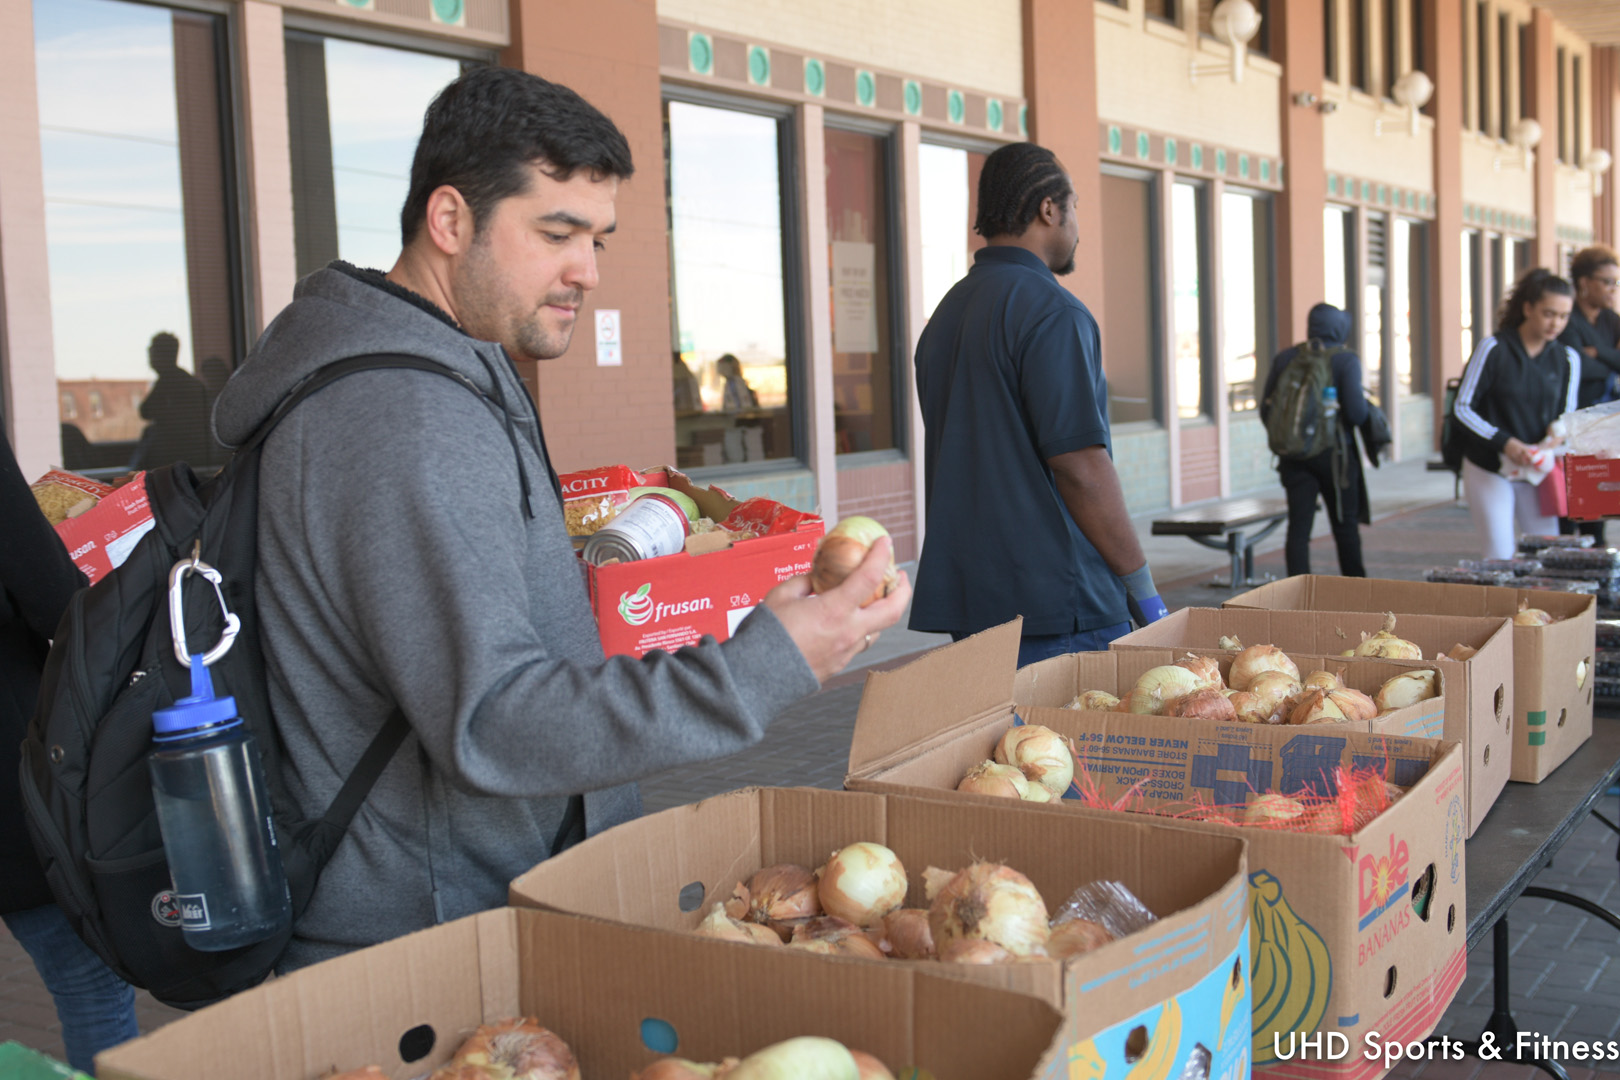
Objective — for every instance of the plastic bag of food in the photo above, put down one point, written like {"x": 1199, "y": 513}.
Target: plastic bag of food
{"x": 1530, "y": 543}
{"x": 1457, "y": 575}
{"x": 1517, "y": 567}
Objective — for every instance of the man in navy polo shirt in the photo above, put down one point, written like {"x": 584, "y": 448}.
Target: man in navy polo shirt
{"x": 1025, "y": 512}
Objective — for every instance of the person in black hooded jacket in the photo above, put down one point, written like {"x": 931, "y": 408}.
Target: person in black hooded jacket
{"x": 1334, "y": 476}
{"x": 37, "y": 579}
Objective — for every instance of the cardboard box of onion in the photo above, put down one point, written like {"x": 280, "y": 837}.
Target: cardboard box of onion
{"x": 1552, "y": 664}
{"x": 620, "y": 997}
{"x": 1357, "y": 922}
{"x": 1479, "y": 690}
{"x": 1169, "y": 996}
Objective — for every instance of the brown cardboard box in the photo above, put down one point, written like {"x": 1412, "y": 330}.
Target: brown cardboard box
{"x": 1055, "y": 682}
{"x": 1175, "y": 978}
{"x": 608, "y": 991}
{"x": 1479, "y": 691}
{"x": 1552, "y": 707}
{"x": 1337, "y": 943}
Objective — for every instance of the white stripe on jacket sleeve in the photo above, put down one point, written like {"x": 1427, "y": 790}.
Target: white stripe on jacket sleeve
{"x": 1571, "y": 394}
{"x": 1465, "y": 393}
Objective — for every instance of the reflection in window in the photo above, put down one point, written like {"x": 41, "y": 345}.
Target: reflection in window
{"x": 948, "y": 195}
{"x": 1408, "y": 270}
{"x": 1470, "y": 240}
{"x": 1336, "y": 248}
{"x": 1187, "y": 265}
{"x": 728, "y": 319}
{"x": 355, "y": 114}
{"x": 137, "y": 225}
{"x": 859, "y": 291}
{"x": 1130, "y": 336}
{"x": 1245, "y": 296}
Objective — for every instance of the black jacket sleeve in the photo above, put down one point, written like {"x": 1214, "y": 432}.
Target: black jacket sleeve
{"x": 1347, "y": 379}
{"x": 35, "y": 569}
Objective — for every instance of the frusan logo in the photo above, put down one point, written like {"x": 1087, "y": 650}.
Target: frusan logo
{"x": 1380, "y": 881}
{"x": 637, "y": 607}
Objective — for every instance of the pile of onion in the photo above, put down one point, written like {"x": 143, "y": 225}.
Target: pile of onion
{"x": 518, "y": 1049}
{"x": 1271, "y": 809}
{"x": 1407, "y": 688}
{"x": 1041, "y": 754}
{"x": 809, "y": 1057}
{"x": 986, "y": 902}
{"x": 1273, "y": 689}
{"x": 832, "y": 936}
{"x": 1318, "y": 706}
{"x": 779, "y": 897}
{"x": 862, "y": 883}
{"x": 1204, "y": 704}
{"x": 1001, "y": 781}
{"x": 1386, "y": 645}
{"x": 1160, "y": 686}
{"x": 907, "y": 936}
{"x": 1532, "y": 616}
{"x": 720, "y": 925}
{"x": 1205, "y": 669}
{"x": 1459, "y": 651}
{"x": 1255, "y": 661}
{"x": 1094, "y": 701}
{"x": 842, "y": 550}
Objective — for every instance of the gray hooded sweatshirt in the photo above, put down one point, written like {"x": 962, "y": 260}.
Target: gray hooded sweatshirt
{"x": 399, "y": 568}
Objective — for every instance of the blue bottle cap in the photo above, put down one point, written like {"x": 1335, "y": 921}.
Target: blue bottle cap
{"x": 198, "y": 711}
{"x": 1330, "y": 392}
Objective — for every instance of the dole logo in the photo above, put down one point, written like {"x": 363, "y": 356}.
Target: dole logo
{"x": 1381, "y": 881}
{"x": 636, "y": 608}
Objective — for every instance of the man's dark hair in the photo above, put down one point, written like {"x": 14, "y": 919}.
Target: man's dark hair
{"x": 485, "y": 129}
{"x": 165, "y": 347}
{"x": 1014, "y": 181}
{"x": 1588, "y": 261}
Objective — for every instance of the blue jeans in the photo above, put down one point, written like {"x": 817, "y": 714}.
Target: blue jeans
{"x": 96, "y": 1007}
{"x": 1033, "y": 647}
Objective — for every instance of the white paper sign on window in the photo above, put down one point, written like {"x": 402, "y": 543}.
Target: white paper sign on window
{"x": 854, "y": 297}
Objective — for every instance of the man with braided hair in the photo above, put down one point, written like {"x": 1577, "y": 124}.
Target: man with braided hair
{"x": 1025, "y": 515}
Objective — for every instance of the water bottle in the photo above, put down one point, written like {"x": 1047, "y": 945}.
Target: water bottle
{"x": 1330, "y": 405}
{"x": 214, "y": 813}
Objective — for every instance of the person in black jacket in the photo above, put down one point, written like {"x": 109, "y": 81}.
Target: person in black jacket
{"x": 1334, "y": 476}
{"x": 96, "y": 1007}
{"x": 1518, "y": 382}
{"x": 1594, "y": 332}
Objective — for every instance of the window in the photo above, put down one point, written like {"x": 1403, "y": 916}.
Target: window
{"x": 1245, "y": 296}
{"x": 1526, "y": 62}
{"x": 1330, "y": 40}
{"x": 1563, "y": 107}
{"x": 1408, "y": 283}
{"x": 1501, "y": 279}
{"x": 860, "y": 291}
{"x": 1576, "y": 89}
{"x": 69, "y": 407}
{"x": 1130, "y": 342}
{"x": 354, "y": 114}
{"x": 1360, "y": 76}
{"x": 728, "y": 238}
{"x": 1373, "y": 307}
{"x": 139, "y": 226}
{"x": 948, "y": 196}
{"x": 1420, "y": 62}
{"x": 1161, "y": 9}
{"x": 1188, "y": 248}
{"x": 1338, "y": 244}
{"x": 1482, "y": 66}
{"x": 1470, "y": 292}
{"x": 1392, "y": 59}
{"x": 1504, "y": 74}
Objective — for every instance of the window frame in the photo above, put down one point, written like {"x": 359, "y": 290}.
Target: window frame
{"x": 795, "y": 319}
{"x": 1265, "y": 328}
{"x": 1160, "y": 404}
{"x": 1208, "y": 362}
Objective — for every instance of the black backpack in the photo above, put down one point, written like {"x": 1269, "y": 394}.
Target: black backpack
{"x": 1451, "y": 429}
{"x": 1296, "y": 428}
{"x": 85, "y": 786}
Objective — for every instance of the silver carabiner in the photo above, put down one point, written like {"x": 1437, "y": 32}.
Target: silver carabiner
{"x": 177, "y": 608}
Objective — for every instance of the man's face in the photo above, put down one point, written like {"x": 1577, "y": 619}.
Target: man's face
{"x": 1546, "y": 317}
{"x": 1602, "y": 288}
{"x": 522, "y": 281}
{"x": 1066, "y": 237}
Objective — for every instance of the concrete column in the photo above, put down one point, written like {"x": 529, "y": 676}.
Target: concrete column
{"x": 27, "y": 366}
{"x": 1060, "y": 85}
{"x": 1296, "y": 35}
{"x": 1543, "y": 106}
{"x": 1444, "y": 65}
{"x": 271, "y": 248}
{"x": 812, "y": 181}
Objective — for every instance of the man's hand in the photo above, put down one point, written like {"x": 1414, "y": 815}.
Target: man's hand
{"x": 831, "y": 627}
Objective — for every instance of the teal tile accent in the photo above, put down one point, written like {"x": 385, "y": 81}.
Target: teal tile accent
{"x": 1143, "y": 145}
{"x": 759, "y": 65}
{"x": 700, "y": 54}
{"x": 815, "y": 78}
{"x": 1170, "y": 151}
{"x": 865, "y": 89}
{"x": 1333, "y": 184}
{"x": 913, "y": 97}
{"x": 1265, "y": 170}
{"x": 1383, "y": 194}
{"x": 1115, "y": 139}
{"x": 1220, "y": 162}
{"x": 1023, "y": 120}
{"x": 994, "y": 117}
{"x": 1197, "y": 156}
{"x": 955, "y": 107}
{"x": 1243, "y": 166}
{"x": 1279, "y": 172}
{"x": 449, "y": 11}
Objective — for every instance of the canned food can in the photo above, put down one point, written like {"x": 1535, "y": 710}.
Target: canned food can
{"x": 647, "y": 528}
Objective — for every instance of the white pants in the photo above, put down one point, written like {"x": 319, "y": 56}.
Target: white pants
{"x": 1494, "y": 503}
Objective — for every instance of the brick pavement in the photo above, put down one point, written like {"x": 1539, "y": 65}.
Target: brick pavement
{"x": 1566, "y": 971}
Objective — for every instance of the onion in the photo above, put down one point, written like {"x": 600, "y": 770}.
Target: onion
{"x": 907, "y": 934}
{"x": 1316, "y": 707}
{"x": 1460, "y": 651}
{"x": 1273, "y": 688}
{"x": 1269, "y": 808}
{"x": 842, "y": 550}
{"x": 775, "y": 896}
{"x": 1407, "y": 688}
{"x": 808, "y": 1057}
{"x": 988, "y": 778}
{"x": 1580, "y": 674}
{"x": 1353, "y": 703}
{"x": 1160, "y": 685}
{"x": 1531, "y": 616}
{"x": 869, "y": 1067}
{"x": 1094, "y": 700}
{"x": 1075, "y": 937}
{"x": 1229, "y": 644}
{"x": 832, "y": 936}
{"x": 1037, "y": 794}
{"x": 935, "y": 880}
{"x": 1322, "y": 680}
{"x": 1205, "y": 668}
{"x": 1205, "y": 704}
{"x": 370, "y": 1072}
{"x": 990, "y": 902}
{"x": 1250, "y": 709}
{"x": 1257, "y": 659}
{"x": 520, "y": 1049}
{"x": 677, "y": 1069}
{"x": 862, "y": 883}
{"x": 1045, "y": 757}
{"x": 1386, "y": 645}
{"x": 720, "y": 925}
{"x": 975, "y": 951}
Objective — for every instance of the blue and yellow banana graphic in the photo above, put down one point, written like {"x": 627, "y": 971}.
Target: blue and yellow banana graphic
{"x": 1289, "y": 965}
{"x": 1229, "y": 1001}
{"x": 1085, "y": 1063}
{"x": 1158, "y": 1061}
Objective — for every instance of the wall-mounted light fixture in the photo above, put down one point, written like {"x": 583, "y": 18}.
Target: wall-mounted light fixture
{"x": 1411, "y": 92}
{"x": 1597, "y": 163}
{"x": 1327, "y": 107}
{"x": 1304, "y": 99}
{"x": 1234, "y": 22}
{"x": 1523, "y": 135}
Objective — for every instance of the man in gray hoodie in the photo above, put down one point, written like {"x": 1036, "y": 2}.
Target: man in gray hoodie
{"x": 413, "y": 554}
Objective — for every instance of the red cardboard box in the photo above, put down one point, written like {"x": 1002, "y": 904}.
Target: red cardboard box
{"x": 103, "y": 536}
{"x": 1594, "y": 487}
{"x": 710, "y": 587}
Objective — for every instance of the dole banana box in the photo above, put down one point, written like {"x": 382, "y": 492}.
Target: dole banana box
{"x": 1479, "y": 690}
{"x": 621, "y": 997}
{"x": 708, "y": 588}
{"x": 1170, "y": 998}
{"x": 1356, "y": 935}
{"x": 1552, "y": 665}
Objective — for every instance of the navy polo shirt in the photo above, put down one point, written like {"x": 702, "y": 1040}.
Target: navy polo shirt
{"x": 1009, "y": 374}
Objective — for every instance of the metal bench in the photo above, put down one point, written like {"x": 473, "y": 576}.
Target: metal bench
{"x": 1228, "y": 526}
